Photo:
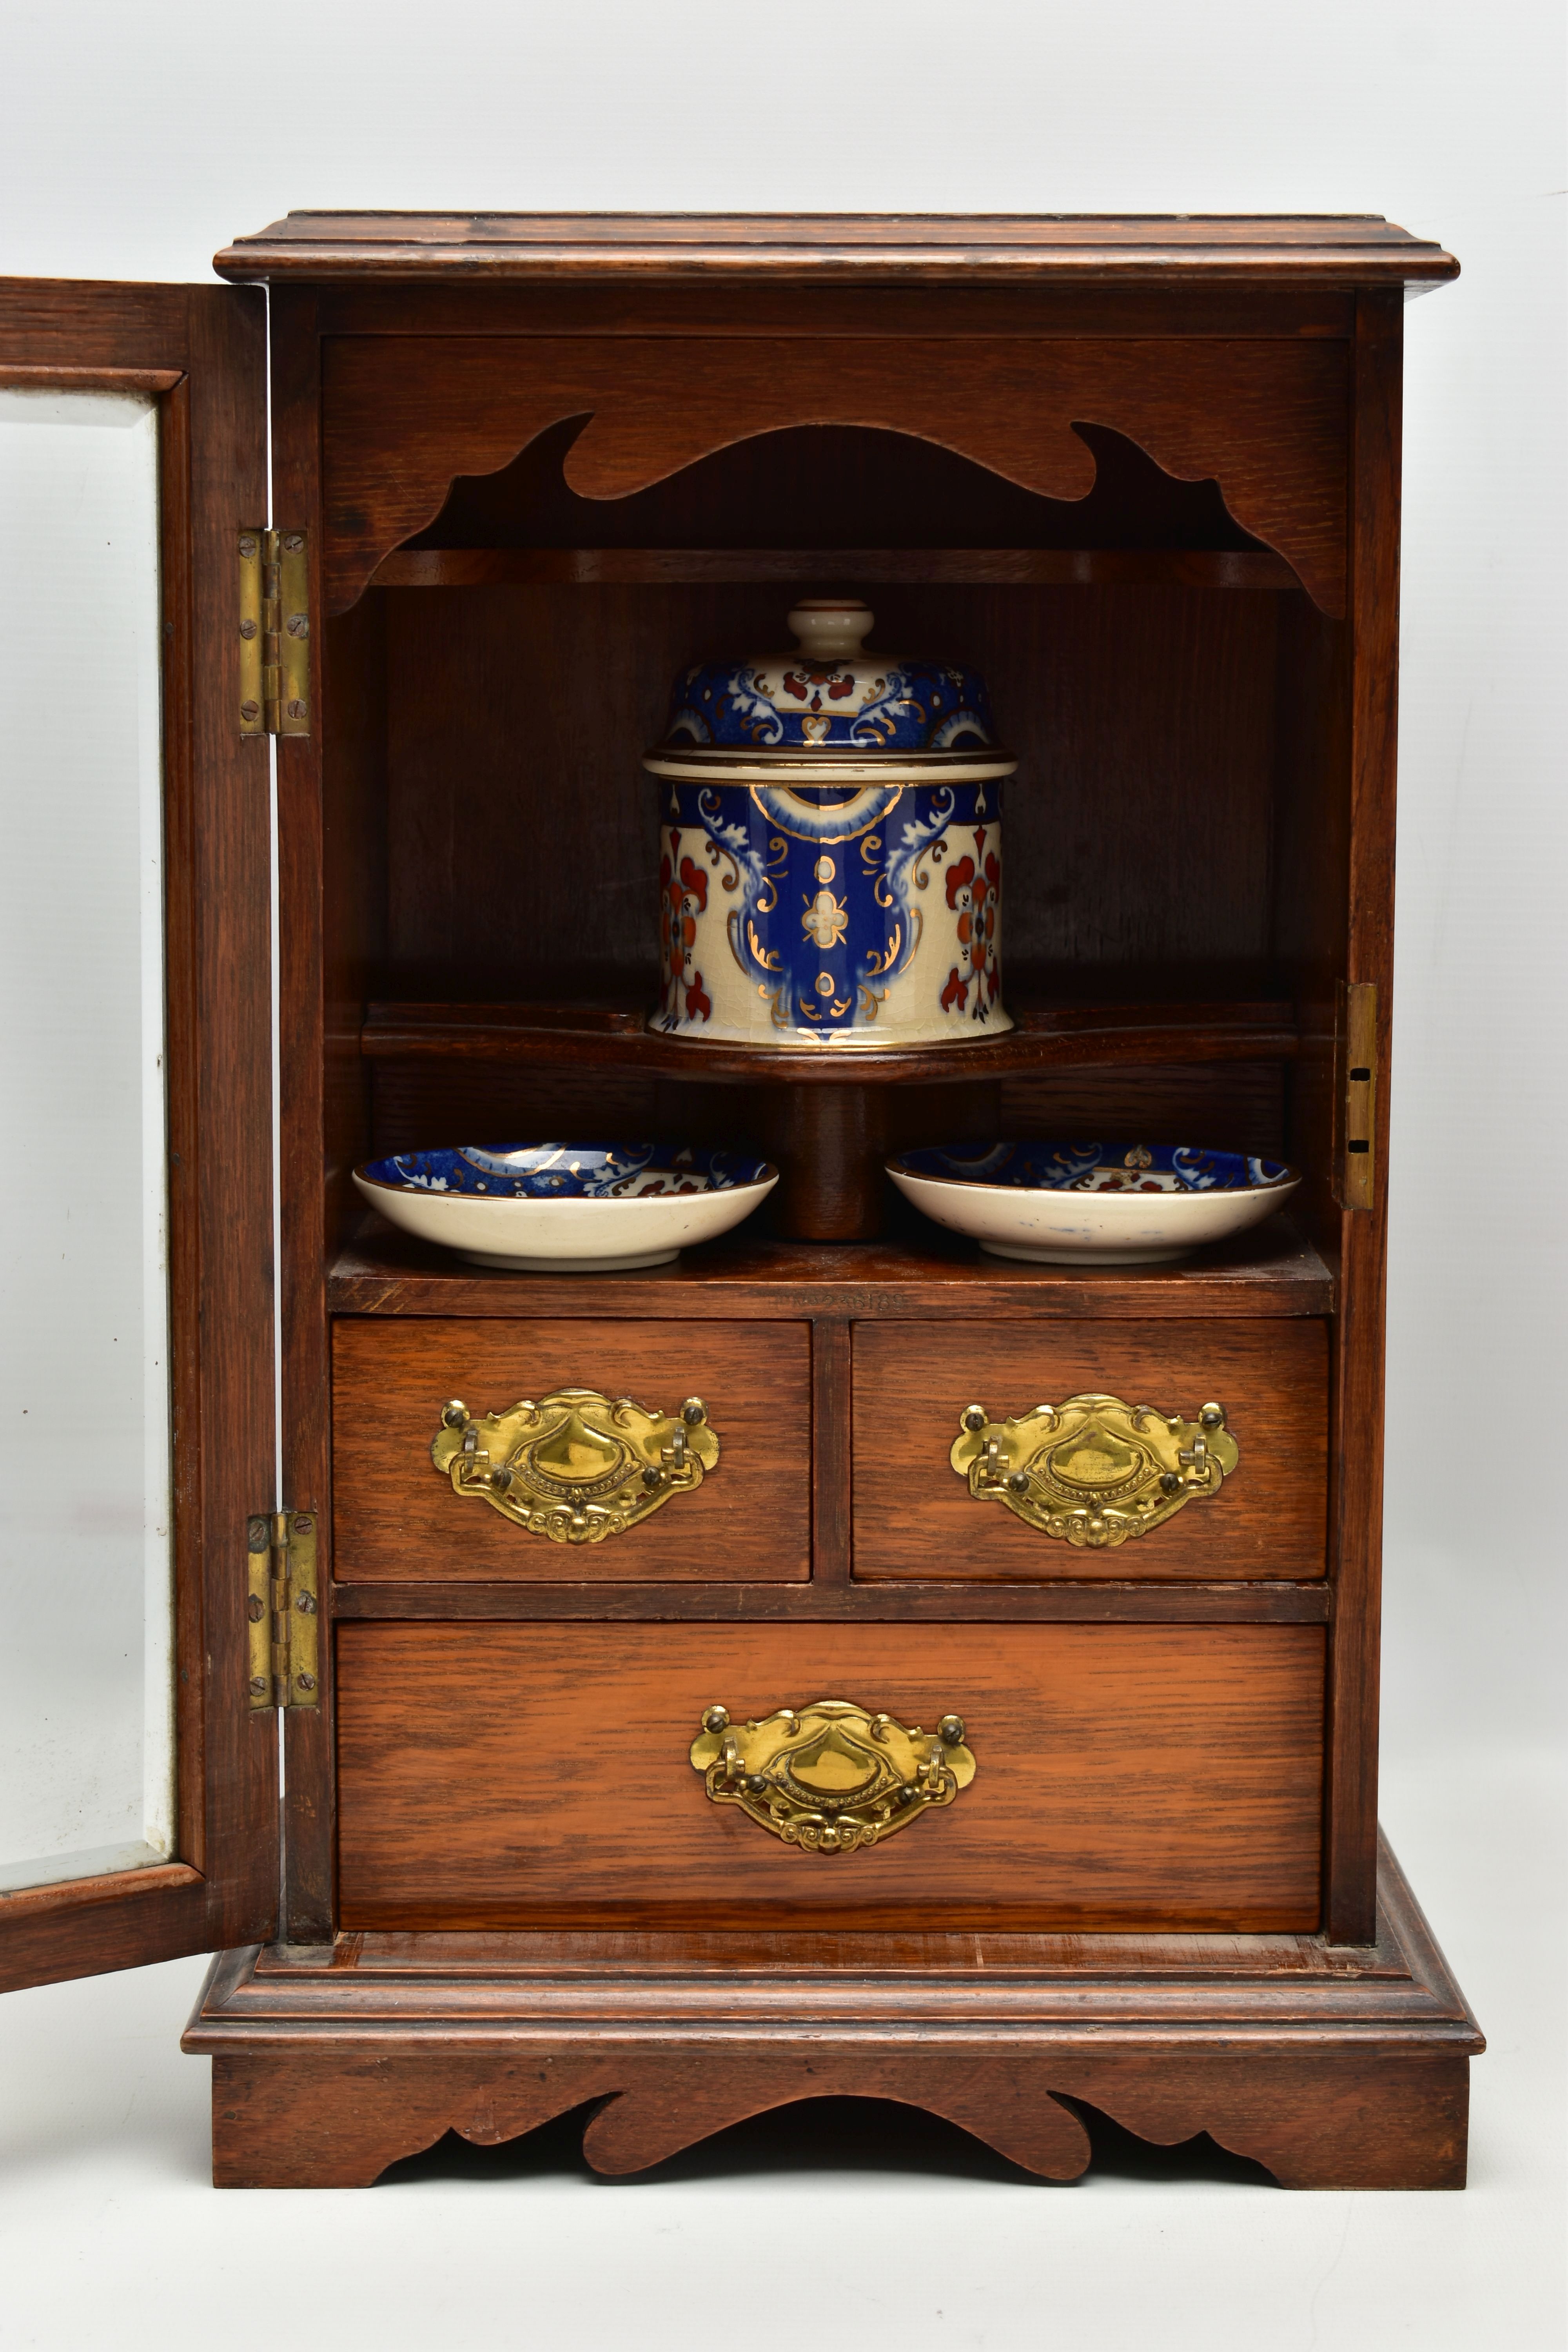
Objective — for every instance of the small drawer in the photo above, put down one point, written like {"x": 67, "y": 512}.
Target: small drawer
{"x": 916, "y": 1516}
{"x": 397, "y": 1517}
{"x": 1125, "y": 1776}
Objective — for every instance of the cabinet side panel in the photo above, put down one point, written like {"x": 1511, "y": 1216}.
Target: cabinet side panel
{"x": 1356, "y": 1504}
{"x": 306, "y": 1150}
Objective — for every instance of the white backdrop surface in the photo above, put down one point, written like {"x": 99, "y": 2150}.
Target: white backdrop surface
{"x": 133, "y": 142}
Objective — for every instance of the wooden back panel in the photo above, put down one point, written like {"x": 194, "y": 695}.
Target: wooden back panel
{"x": 522, "y": 836}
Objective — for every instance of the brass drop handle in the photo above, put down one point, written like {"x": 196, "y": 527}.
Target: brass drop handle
{"x": 579, "y": 1465}
{"x": 1094, "y": 1471}
{"x": 832, "y": 1777}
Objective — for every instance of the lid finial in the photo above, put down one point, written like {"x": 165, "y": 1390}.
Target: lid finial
{"x": 830, "y": 628}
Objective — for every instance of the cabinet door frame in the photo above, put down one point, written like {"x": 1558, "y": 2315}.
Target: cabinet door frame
{"x": 201, "y": 351}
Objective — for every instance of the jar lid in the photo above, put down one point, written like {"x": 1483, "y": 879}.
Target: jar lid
{"x": 829, "y": 695}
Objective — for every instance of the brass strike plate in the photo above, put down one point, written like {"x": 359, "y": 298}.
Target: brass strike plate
{"x": 1357, "y": 1156}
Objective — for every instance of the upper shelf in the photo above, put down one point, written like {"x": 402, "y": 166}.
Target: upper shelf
{"x": 1313, "y": 249}
{"x": 614, "y": 1038}
{"x": 1049, "y": 567}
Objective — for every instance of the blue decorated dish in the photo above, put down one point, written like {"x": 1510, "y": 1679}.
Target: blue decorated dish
{"x": 566, "y": 1208}
{"x": 1091, "y": 1204}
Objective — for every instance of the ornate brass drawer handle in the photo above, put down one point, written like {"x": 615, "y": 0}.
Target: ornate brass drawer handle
{"x": 831, "y": 1777}
{"x": 1094, "y": 1471}
{"x": 577, "y": 1466}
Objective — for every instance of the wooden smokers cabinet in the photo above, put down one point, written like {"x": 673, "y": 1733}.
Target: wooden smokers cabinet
{"x": 570, "y": 1819}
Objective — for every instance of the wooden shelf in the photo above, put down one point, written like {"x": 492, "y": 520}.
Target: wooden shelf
{"x": 614, "y": 1038}
{"x": 1271, "y": 1271}
{"x": 1046, "y": 567}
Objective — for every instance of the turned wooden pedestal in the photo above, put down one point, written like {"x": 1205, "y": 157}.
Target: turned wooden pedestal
{"x": 1335, "y": 2067}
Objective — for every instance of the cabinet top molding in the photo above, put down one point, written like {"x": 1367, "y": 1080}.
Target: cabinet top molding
{"x": 1341, "y": 249}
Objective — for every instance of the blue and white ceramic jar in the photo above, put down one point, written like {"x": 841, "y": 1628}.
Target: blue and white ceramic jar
{"x": 830, "y": 847}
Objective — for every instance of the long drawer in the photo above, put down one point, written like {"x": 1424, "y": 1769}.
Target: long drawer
{"x": 916, "y": 1517}
{"x": 396, "y": 1517}
{"x": 1126, "y": 1776}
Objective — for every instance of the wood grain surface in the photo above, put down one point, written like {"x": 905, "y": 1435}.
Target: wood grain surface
{"x": 1269, "y": 725}
{"x": 1334, "y": 2067}
{"x": 373, "y": 304}
{"x": 797, "y": 497}
{"x": 1042, "y": 1040}
{"x": 1145, "y": 700}
{"x": 897, "y": 1601}
{"x": 914, "y": 1516}
{"x": 201, "y": 350}
{"x": 919, "y": 1273}
{"x": 404, "y": 416}
{"x": 1129, "y": 1776}
{"x": 397, "y": 1517}
{"x": 331, "y": 859}
{"x": 1047, "y": 567}
{"x": 1344, "y": 2118}
{"x": 1111, "y": 249}
{"x": 1356, "y": 1500}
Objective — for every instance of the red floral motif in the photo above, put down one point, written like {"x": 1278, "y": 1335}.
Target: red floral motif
{"x": 806, "y": 685}
{"x": 683, "y": 896}
{"x": 974, "y": 892}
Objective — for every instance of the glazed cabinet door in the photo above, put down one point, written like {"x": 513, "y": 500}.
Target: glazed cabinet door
{"x": 139, "y": 1811}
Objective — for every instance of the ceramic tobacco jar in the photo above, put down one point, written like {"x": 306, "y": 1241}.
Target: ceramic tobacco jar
{"x": 830, "y": 847}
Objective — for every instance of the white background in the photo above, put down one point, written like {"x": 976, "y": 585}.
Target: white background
{"x": 136, "y": 140}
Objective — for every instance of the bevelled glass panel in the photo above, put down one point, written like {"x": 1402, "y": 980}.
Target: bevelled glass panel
{"x": 86, "y": 1729}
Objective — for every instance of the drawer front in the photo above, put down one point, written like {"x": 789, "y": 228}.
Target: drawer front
{"x": 1127, "y": 1777}
{"x": 916, "y": 1517}
{"x": 396, "y": 1517}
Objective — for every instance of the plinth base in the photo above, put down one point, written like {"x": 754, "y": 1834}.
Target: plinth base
{"x": 1335, "y": 2067}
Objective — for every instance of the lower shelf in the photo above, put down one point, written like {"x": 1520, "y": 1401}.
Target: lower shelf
{"x": 919, "y": 1271}
{"x": 1334, "y": 2067}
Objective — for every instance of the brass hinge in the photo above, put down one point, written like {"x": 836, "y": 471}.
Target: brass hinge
{"x": 280, "y": 1610}
{"x": 274, "y": 633}
{"x": 1357, "y": 1154}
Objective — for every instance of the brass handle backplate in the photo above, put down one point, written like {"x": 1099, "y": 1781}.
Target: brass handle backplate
{"x": 831, "y": 1777}
{"x": 578, "y": 1466}
{"x": 1093, "y": 1471}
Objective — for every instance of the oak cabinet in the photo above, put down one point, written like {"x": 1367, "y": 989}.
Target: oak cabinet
{"x": 1101, "y": 1796}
